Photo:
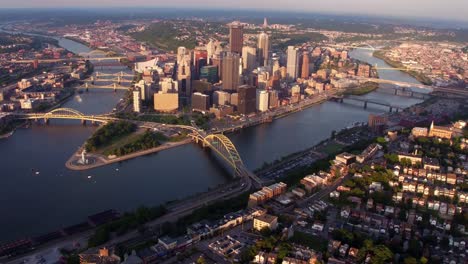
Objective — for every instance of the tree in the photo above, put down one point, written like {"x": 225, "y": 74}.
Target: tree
{"x": 201, "y": 260}
{"x": 410, "y": 260}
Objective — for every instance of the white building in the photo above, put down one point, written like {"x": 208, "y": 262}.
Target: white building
{"x": 262, "y": 100}
{"x": 136, "y": 101}
{"x": 292, "y": 67}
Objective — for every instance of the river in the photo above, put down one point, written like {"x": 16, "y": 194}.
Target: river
{"x": 34, "y": 204}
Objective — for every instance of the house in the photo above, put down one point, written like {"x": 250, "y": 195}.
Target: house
{"x": 317, "y": 226}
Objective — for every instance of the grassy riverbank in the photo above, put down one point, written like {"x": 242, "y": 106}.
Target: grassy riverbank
{"x": 362, "y": 89}
{"x": 380, "y": 54}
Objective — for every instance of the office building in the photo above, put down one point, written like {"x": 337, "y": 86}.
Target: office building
{"x": 145, "y": 90}
{"x": 181, "y": 52}
{"x": 210, "y": 51}
{"x": 246, "y": 99}
{"x": 263, "y": 48}
{"x": 236, "y": 37}
{"x": 249, "y": 58}
{"x": 230, "y": 69}
{"x": 184, "y": 77}
{"x": 305, "y": 65}
{"x": 292, "y": 63}
{"x": 263, "y": 78}
{"x": 276, "y": 67}
{"x": 273, "y": 100}
{"x": 235, "y": 99}
{"x": 166, "y": 102}
{"x": 222, "y": 111}
{"x": 221, "y": 98}
{"x": 168, "y": 85}
{"x": 200, "y": 102}
{"x": 136, "y": 101}
{"x": 262, "y": 100}
{"x": 210, "y": 73}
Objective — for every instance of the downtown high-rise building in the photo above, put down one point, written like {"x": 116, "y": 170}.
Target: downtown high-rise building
{"x": 247, "y": 98}
{"x": 236, "y": 37}
{"x": 136, "y": 101}
{"x": 262, "y": 100}
{"x": 292, "y": 64}
{"x": 200, "y": 102}
{"x": 263, "y": 49}
{"x": 230, "y": 71}
{"x": 249, "y": 58}
{"x": 184, "y": 77}
{"x": 305, "y": 65}
{"x": 210, "y": 50}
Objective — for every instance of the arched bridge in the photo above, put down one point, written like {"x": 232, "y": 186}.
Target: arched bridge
{"x": 65, "y": 113}
{"x": 224, "y": 147}
{"x": 219, "y": 143}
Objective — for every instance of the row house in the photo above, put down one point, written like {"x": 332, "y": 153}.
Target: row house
{"x": 444, "y": 191}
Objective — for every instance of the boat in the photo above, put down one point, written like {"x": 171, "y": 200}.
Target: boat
{"x": 37, "y": 172}
{"x": 89, "y": 176}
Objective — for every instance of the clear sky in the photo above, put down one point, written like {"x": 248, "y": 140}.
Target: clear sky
{"x": 438, "y": 9}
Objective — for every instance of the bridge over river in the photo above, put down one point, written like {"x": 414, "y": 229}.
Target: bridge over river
{"x": 218, "y": 143}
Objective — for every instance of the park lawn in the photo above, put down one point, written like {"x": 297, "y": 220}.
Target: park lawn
{"x": 331, "y": 148}
{"x": 119, "y": 142}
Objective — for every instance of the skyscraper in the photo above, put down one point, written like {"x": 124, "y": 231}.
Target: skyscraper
{"x": 200, "y": 102}
{"x": 230, "y": 69}
{"x": 263, "y": 48}
{"x": 181, "y": 52}
{"x": 262, "y": 100}
{"x": 136, "y": 101}
{"x": 293, "y": 63}
{"x": 184, "y": 77}
{"x": 210, "y": 50}
{"x": 305, "y": 65}
{"x": 249, "y": 58}
{"x": 265, "y": 23}
{"x": 246, "y": 99}
{"x": 236, "y": 37}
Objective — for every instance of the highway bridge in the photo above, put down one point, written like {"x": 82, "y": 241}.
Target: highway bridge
{"x": 218, "y": 143}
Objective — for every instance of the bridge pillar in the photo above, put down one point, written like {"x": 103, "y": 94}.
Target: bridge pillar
{"x": 396, "y": 110}
{"x": 391, "y": 109}
{"x": 396, "y": 91}
{"x": 115, "y": 87}
{"x": 341, "y": 100}
{"x": 83, "y": 122}
{"x": 412, "y": 94}
{"x": 46, "y": 121}
{"x": 365, "y": 104}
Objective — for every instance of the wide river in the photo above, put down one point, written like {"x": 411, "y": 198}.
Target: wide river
{"x": 34, "y": 204}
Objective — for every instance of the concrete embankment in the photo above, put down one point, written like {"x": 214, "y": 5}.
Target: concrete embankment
{"x": 100, "y": 160}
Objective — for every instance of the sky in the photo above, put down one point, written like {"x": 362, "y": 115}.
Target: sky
{"x": 436, "y": 9}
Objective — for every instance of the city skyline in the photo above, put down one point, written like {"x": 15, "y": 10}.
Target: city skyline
{"x": 446, "y": 10}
